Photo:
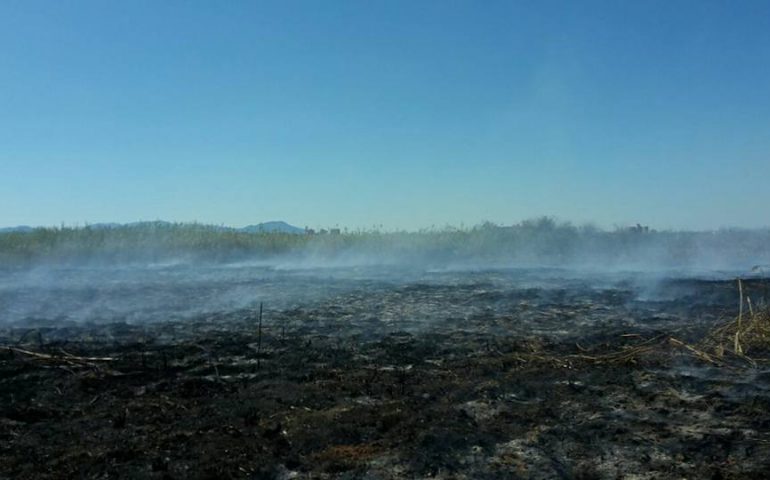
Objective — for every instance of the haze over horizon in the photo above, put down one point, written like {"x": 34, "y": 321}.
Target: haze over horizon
{"x": 289, "y": 227}
{"x": 392, "y": 113}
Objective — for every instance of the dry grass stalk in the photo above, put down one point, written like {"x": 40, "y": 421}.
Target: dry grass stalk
{"x": 745, "y": 335}
{"x": 737, "y": 346}
{"x": 64, "y": 358}
{"x": 698, "y": 353}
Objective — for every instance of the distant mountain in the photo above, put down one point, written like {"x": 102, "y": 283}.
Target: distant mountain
{"x": 266, "y": 227}
{"x": 272, "y": 227}
{"x": 20, "y": 228}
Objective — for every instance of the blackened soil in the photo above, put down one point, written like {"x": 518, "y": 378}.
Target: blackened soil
{"x": 506, "y": 384}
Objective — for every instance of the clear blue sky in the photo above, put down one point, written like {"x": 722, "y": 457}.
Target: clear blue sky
{"x": 406, "y": 114}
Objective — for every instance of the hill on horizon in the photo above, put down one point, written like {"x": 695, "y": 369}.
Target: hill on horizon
{"x": 272, "y": 227}
{"x": 264, "y": 227}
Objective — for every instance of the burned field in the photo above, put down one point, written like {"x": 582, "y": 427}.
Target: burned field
{"x": 496, "y": 374}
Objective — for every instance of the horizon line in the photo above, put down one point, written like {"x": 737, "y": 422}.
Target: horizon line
{"x": 379, "y": 228}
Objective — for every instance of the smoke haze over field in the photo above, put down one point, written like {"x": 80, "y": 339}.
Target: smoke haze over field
{"x": 541, "y": 242}
{"x": 396, "y": 114}
{"x": 156, "y": 272}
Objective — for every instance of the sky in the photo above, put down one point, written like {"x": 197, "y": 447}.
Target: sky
{"x": 405, "y": 114}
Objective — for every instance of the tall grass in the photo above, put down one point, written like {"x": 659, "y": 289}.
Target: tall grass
{"x": 538, "y": 241}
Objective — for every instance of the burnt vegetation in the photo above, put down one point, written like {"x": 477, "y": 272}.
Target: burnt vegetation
{"x": 540, "y": 241}
{"x": 461, "y": 375}
{"x": 143, "y": 351}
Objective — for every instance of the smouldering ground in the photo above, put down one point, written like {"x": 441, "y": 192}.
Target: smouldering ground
{"x": 462, "y": 375}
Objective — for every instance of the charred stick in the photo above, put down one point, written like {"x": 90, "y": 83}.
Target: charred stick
{"x": 66, "y": 356}
{"x": 737, "y": 345}
{"x": 259, "y": 338}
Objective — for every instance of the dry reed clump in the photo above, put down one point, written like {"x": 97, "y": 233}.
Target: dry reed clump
{"x": 747, "y": 336}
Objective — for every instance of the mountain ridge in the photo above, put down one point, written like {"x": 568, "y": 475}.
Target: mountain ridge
{"x": 274, "y": 226}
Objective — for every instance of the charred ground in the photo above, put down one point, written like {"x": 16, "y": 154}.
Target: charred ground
{"x": 470, "y": 375}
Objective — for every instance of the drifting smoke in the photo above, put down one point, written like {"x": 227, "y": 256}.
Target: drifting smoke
{"x": 165, "y": 271}
{"x": 534, "y": 243}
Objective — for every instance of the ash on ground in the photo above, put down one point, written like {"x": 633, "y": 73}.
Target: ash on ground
{"x": 477, "y": 375}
